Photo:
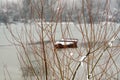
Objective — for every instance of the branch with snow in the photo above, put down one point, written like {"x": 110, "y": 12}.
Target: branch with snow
{"x": 111, "y": 42}
{"x": 82, "y": 59}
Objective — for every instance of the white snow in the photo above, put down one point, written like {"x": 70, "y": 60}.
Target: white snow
{"x": 71, "y": 54}
{"x": 82, "y": 58}
{"x": 67, "y": 39}
{"x": 63, "y": 43}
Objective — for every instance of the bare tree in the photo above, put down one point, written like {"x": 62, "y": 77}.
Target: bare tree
{"x": 94, "y": 58}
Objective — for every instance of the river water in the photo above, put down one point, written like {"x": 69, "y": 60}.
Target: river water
{"x": 9, "y": 64}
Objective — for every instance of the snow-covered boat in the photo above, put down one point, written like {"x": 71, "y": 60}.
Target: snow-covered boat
{"x": 66, "y": 43}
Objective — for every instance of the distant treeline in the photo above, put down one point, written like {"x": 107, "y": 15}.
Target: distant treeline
{"x": 53, "y": 10}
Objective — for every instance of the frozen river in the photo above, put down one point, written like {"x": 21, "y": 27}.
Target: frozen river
{"x": 9, "y": 64}
{"x": 8, "y": 57}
